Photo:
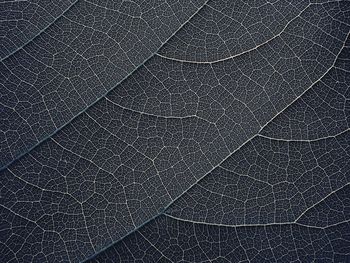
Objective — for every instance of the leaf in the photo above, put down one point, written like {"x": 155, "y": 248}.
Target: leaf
{"x": 53, "y": 73}
{"x": 177, "y": 132}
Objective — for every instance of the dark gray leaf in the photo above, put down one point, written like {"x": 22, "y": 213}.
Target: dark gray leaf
{"x": 156, "y": 131}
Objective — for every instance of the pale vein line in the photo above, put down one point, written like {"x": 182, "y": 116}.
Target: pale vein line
{"x": 239, "y": 54}
{"x": 301, "y": 140}
{"x": 155, "y": 115}
{"x": 152, "y": 245}
{"x": 246, "y": 175}
{"x": 34, "y": 228}
{"x": 295, "y": 222}
{"x": 23, "y": 217}
{"x": 13, "y": 1}
{"x": 43, "y": 189}
{"x": 40, "y": 33}
{"x": 44, "y": 230}
{"x": 342, "y": 69}
{"x": 174, "y": 200}
{"x": 103, "y": 96}
{"x": 138, "y": 151}
{"x": 262, "y": 127}
{"x": 320, "y": 201}
{"x": 249, "y": 50}
{"x": 259, "y": 130}
{"x": 253, "y": 225}
{"x": 52, "y": 191}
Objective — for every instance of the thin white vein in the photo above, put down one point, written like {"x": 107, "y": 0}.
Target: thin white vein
{"x": 24, "y": 120}
{"x": 73, "y": 58}
{"x": 23, "y": 217}
{"x": 244, "y": 175}
{"x": 59, "y": 192}
{"x": 83, "y": 158}
{"x": 189, "y": 188}
{"x": 42, "y": 189}
{"x": 60, "y": 74}
{"x": 118, "y": 11}
{"x": 103, "y": 96}
{"x": 187, "y": 116}
{"x": 342, "y": 69}
{"x": 320, "y": 201}
{"x": 312, "y": 140}
{"x": 52, "y": 191}
{"x": 155, "y": 115}
{"x": 33, "y": 222}
{"x": 152, "y": 245}
{"x": 312, "y": 41}
{"x": 42, "y": 31}
{"x": 229, "y": 155}
{"x": 200, "y": 247}
{"x": 162, "y": 116}
{"x": 130, "y": 145}
{"x": 99, "y": 31}
{"x": 13, "y": 1}
{"x": 146, "y": 157}
{"x": 241, "y": 101}
{"x": 242, "y": 53}
{"x": 254, "y": 225}
{"x": 322, "y": 30}
{"x": 44, "y": 230}
{"x": 110, "y": 173}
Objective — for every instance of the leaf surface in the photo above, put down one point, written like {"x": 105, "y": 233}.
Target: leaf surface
{"x": 73, "y": 60}
{"x": 214, "y": 132}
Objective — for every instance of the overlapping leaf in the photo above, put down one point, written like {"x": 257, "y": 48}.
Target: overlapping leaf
{"x": 230, "y": 144}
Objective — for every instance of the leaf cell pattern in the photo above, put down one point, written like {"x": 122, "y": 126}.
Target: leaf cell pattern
{"x": 21, "y": 21}
{"x": 83, "y": 54}
{"x": 175, "y": 131}
{"x": 169, "y": 240}
{"x": 224, "y": 29}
